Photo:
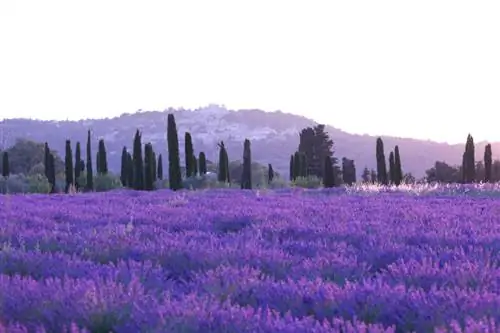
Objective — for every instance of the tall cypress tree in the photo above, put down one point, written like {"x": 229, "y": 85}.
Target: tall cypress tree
{"x": 148, "y": 167}
{"x": 296, "y": 165}
{"x": 46, "y": 161}
{"x": 270, "y": 173}
{"x": 469, "y": 165}
{"x": 392, "y": 168}
{"x": 174, "y": 168}
{"x": 90, "y": 174}
{"x": 291, "y": 167}
{"x": 52, "y": 173}
{"x": 381, "y": 166}
{"x": 78, "y": 165}
{"x": 246, "y": 176}
{"x": 68, "y": 166}
{"x": 138, "y": 163}
{"x": 488, "y": 160}
{"x": 153, "y": 162}
{"x": 398, "y": 173}
{"x": 303, "y": 165}
{"x": 98, "y": 163}
{"x": 160, "y": 167}
{"x": 226, "y": 159}
{"x": 188, "y": 154}
{"x": 203, "y": 163}
{"x": 5, "y": 164}
{"x": 195, "y": 166}
{"x": 328, "y": 174}
{"x": 123, "y": 168}
{"x": 222, "y": 171}
{"x": 130, "y": 170}
{"x": 103, "y": 159}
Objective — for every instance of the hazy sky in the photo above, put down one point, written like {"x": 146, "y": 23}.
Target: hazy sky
{"x": 405, "y": 68}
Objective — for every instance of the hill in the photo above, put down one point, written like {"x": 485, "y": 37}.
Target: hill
{"x": 274, "y": 137}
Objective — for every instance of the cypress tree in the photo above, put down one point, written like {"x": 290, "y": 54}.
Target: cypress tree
{"x": 5, "y": 164}
{"x": 188, "y": 154}
{"x": 195, "y": 166}
{"x": 222, "y": 171}
{"x": 46, "y": 161}
{"x": 174, "y": 169}
{"x": 103, "y": 159}
{"x": 52, "y": 173}
{"x": 130, "y": 170}
{"x": 226, "y": 159}
{"x": 270, "y": 173}
{"x": 153, "y": 164}
{"x": 464, "y": 167}
{"x": 90, "y": 174}
{"x": 246, "y": 176}
{"x": 366, "y": 175}
{"x": 329, "y": 174}
{"x": 97, "y": 163}
{"x": 373, "y": 176}
{"x": 392, "y": 168}
{"x": 160, "y": 168}
{"x": 303, "y": 165}
{"x": 203, "y": 163}
{"x": 488, "y": 160}
{"x": 381, "y": 166}
{"x": 296, "y": 165}
{"x": 123, "y": 167}
{"x": 68, "y": 166}
{"x": 291, "y": 167}
{"x": 78, "y": 164}
{"x": 138, "y": 163}
{"x": 148, "y": 167}
{"x": 398, "y": 173}
{"x": 469, "y": 161}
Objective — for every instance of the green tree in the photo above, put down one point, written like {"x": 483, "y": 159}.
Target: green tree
{"x": 138, "y": 163}
{"x": 78, "y": 165}
{"x": 102, "y": 167}
{"x": 270, "y": 173}
{"x": 246, "y": 175}
{"x": 123, "y": 167}
{"x": 68, "y": 161}
{"x": 188, "y": 154}
{"x": 160, "y": 167}
{"x": 90, "y": 174}
{"x": 381, "y": 166}
{"x": 153, "y": 165}
{"x": 488, "y": 160}
{"x": 373, "y": 176}
{"x": 148, "y": 167}
{"x": 398, "y": 172}
{"x": 365, "y": 176}
{"x": 174, "y": 168}
{"x": 297, "y": 165}
{"x": 291, "y": 168}
{"x": 328, "y": 173}
{"x": 5, "y": 164}
{"x": 468, "y": 161}
{"x": 348, "y": 171}
{"x": 203, "y": 163}
{"x": 223, "y": 171}
{"x": 392, "y": 168}
{"x": 130, "y": 170}
{"x": 195, "y": 166}
{"x": 315, "y": 144}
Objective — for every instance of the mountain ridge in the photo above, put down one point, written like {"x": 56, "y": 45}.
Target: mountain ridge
{"x": 274, "y": 136}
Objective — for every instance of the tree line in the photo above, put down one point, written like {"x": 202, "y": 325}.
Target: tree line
{"x": 142, "y": 167}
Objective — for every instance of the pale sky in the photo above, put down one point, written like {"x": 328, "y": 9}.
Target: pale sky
{"x": 403, "y": 68}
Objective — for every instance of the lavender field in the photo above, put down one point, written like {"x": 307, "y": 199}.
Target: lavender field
{"x": 363, "y": 260}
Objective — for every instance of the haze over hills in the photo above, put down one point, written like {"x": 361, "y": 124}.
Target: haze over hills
{"x": 273, "y": 135}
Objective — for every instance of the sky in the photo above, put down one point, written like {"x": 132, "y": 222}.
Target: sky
{"x": 427, "y": 69}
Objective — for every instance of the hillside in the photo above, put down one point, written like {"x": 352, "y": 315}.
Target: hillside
{"x": 274, "y": 137}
